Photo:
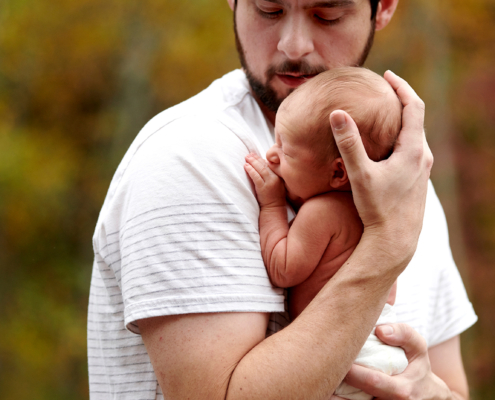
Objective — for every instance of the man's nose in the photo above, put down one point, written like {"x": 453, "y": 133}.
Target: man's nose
{"x": 272, "y": 155}
{"x": 296, "y": 39}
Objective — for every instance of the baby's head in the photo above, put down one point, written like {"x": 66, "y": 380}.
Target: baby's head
{"x": 305, "y": 154}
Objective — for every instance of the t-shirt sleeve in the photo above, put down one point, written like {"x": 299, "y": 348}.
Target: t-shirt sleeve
{"x": 186, "y": 238}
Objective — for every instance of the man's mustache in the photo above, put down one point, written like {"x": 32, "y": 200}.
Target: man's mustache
{"x": 294, "y": 67}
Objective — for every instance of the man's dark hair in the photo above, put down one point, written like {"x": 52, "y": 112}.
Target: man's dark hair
{"x": 374, "y": 6}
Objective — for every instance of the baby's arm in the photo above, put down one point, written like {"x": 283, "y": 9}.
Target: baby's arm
{"x": 290, "y": 255}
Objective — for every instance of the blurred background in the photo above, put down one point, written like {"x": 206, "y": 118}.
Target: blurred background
{"x": 78, "y": 79}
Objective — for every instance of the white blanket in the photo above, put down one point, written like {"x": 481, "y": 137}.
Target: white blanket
{"x": 376, "y": 355}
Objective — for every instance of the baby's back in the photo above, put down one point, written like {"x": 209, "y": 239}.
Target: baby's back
{"x": 346, "y": 229}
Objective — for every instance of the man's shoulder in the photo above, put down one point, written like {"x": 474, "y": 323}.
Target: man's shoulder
{"x": 218, "y": 100}
{"x": 226, "y": 107}
{"x": 201, "y": 136}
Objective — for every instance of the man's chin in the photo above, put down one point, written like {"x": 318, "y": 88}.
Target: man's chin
{"x": 271, "y": 97}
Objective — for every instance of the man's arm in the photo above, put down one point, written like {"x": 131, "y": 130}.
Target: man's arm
{"x": 446, "y": 363}
{"x": 219, "y": 356}
{"x": 224, "y": 355}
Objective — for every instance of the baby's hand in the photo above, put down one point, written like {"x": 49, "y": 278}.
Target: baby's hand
{"x": 269, "y": 187}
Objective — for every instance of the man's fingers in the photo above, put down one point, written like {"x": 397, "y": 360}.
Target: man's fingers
{"x": 402, "y": 335}
{"x": 428, "y": 154}
{"x": 405, "y": 92}
{"x": 414, "y": 109}
{"x": 348, "y": 141}
{"x": 371, "y": 381}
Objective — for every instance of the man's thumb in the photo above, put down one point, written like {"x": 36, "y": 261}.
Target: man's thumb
{"x": 348, "y": 140}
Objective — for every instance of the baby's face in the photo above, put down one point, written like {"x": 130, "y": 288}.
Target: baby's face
{"x": 292, "y": 161}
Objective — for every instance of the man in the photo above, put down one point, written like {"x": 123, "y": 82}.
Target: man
{"x": 180, "y": 299}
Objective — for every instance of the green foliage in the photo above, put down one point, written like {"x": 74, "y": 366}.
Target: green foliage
{"x": 79, "y": 78}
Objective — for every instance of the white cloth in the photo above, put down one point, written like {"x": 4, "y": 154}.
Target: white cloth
{"x": 178, "y": 233}
{"x": 376, "y": 355}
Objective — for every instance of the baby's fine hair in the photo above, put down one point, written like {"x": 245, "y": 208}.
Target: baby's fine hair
{"x": 364, "y": 95}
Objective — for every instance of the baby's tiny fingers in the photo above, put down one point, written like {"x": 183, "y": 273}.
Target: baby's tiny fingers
{"x": 257, "y": 162}
{"x": 253, "y": 158}
{"x": 254, "y": 175}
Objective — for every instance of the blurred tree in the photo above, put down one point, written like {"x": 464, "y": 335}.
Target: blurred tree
{"x": 77, "y": 81}
{"x": 445, "y": 50}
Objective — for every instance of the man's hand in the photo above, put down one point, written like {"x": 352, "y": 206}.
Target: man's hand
{"x": 390, "y": 195}
{"x": 270, "y": 189}
{"x": 418, "y": 381}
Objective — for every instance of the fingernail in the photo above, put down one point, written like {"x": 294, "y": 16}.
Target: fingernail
{"x": 337, "y": 119}
{"x": 392, "y": 72}
{"x": 387, "y": 330}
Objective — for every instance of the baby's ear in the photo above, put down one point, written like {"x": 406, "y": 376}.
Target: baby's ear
{"x": 338, "y": 175}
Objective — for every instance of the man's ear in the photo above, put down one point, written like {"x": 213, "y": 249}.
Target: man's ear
{"x": 231, "y": 4}
{"x": 338, "y": 174}
{"x": 384, "y": 13}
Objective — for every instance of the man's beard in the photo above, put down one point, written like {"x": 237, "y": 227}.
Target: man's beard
{"x": 265, "y": 93}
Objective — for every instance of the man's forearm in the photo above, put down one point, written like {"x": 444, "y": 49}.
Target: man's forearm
{"x": 225, "y": 355}
{"x": 309, "y": 358}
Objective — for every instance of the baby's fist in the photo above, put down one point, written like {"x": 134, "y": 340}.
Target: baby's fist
{"x": 269, "y": 187}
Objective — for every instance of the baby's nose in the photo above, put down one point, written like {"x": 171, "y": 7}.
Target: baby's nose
{"x": 272, "y": 155}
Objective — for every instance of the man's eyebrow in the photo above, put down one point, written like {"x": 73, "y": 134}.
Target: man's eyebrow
{"x": 280, "y": 2}
{"x": 331, "y": 4}
{"x": 320, "y": 4}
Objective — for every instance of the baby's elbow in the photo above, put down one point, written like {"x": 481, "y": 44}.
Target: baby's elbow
{"x": 284, "y": 279}
{"x": 279, "y": 282}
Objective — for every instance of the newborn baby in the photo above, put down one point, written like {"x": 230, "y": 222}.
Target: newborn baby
{"x": 304, "y": 164}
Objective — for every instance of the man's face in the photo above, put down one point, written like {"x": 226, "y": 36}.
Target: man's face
{"x": 282, "y": 43}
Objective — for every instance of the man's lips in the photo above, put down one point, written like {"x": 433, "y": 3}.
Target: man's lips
{"x": 293, "y": 80}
